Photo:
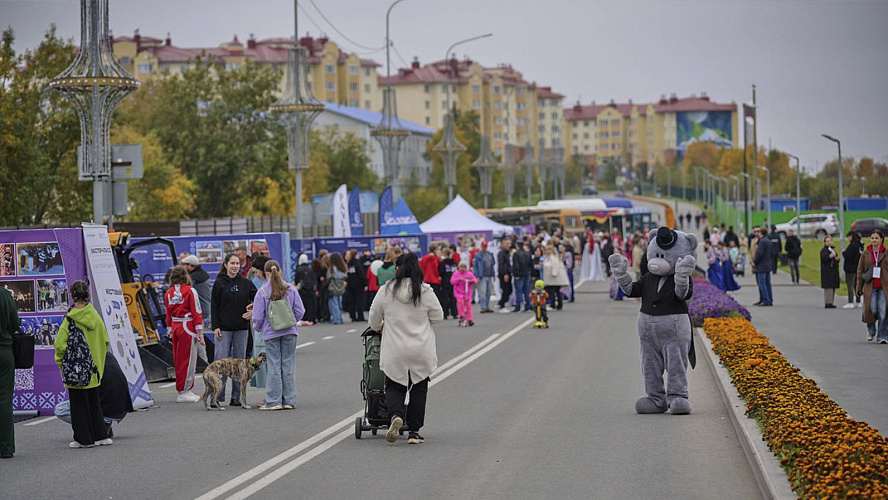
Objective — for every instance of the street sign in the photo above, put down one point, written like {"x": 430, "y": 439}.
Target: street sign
{"x": 126, "y": 162}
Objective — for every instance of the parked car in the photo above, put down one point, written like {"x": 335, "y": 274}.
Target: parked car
{"x": 811, "y": 225}
{"x": 866, "y": 226}
{"x": 590, "y": 191}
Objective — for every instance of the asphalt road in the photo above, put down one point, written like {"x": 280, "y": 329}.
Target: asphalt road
{"x": 527, "y": 414}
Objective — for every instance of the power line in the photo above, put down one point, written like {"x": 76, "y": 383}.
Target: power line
{"x": 343, "y": 35}
{"x": 399, "y": 56}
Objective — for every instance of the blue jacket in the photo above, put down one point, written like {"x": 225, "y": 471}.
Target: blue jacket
{"x": 762, "y": 257}
{"x": 484, "y": 265}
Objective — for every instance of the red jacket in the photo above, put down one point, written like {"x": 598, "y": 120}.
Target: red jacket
{"x": 429, "y": 265}
{"x": 372, "y": 285}
{"x": 183, "y": 309}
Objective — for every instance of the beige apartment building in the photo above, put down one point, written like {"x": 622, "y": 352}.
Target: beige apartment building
{"x": 512, "y": 110}
{"x": 633, "y": 133}
{"x": 334, "y": 75}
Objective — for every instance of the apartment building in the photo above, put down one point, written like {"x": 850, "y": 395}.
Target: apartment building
{"x": 335, "y": 76}
{"x": 633, "y": 133}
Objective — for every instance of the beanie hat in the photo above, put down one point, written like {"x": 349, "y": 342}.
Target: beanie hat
{"x": 191, "y": 259}
{"x": 539, "y": 284}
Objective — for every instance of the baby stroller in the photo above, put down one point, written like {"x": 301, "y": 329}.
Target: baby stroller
{"x": 372, "y": 388}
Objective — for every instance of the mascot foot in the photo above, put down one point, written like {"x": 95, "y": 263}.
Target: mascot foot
{"x": 646, "y": 405}
{"x": 680, "y": 406}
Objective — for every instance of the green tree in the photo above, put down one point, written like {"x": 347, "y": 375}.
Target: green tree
{"x": 346, "y": 158}
{"x": 39, "y": 135}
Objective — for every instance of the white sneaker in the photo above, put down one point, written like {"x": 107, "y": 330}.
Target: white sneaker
{"x": 869, "y": 338}
{"x": 849, "y": 305}
{"x": 187, "y": 397}
{"x": 860, "y": 305}
{"x": 105, "y": 442}
{"x": 75, "y": 444}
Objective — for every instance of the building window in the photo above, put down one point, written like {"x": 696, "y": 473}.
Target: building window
{"x": 585, "y": 135}
{"x": 232, "y": 66}
{"x": 366, "y": 104}
{"x": 575, "y": 137}
{"x": 554, "y": 102}
{"x": 497, "y": 121}
{"x": 542, "y": 128}
{"x": 554, "y": 116}
{"x": 651, "y": 143}
{"x": 650, "y": 118}
{"x": 496, "y": 105}
{"x": 577, "y": 150}
{"x": 329, "y": 69}
{"x": 444, "y": 104}
{"x": 149, "y": 68}
{"x": 496, "y": 89}
{"x": 602, "y": 123}
{"x": 585, "y": 123}
{"x": 554, "y": 128}
{"x": 428, "y": 105}
{"x": 506, "y": 136}
{"x": 183, "y": 68}
{"x": 353, "y": 70}
{"x": 542, "y": 116}
{"x": 353, "y": 103}
{"x": 425, "y": 89}
{"x": 353, "y": 87}
{"x": 632, "y": 133}
{"x": 602, "y": 135}
{"x": 615, "y": 147}
{"x": 443, "y": 87}
{"x": 476, "y": 104}
{"x": 519, "y": 91}
{"x": 556, "y": 143}
{"x": 650, "y": 130}
{"x": 366, "y": 71}
{"x": 586, "y": 147}
{"x": 615, "y": 122}
{"x": 476, "y": 89}
{"x": 125, "y": 61}
{"x": 367, "y": 88}
{"x": 521, "y": 106}
{"x": 616, "y": 133}
{"x": 497, "y": 135}
{"x": 428, "y": 121}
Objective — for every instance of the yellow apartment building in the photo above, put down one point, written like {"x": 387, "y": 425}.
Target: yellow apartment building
{"x": 334, "y": 75}
{"x": 651, "y": 133}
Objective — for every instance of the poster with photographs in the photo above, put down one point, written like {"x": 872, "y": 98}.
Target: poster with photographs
{"x": 229, "y": 246}
{"x": 7, "y": 259}
{"x": 209, "y": 252}
{"x": 36, "y": 259}
{"x": 52, "y": 295}
{"x": 260, "y": 246}
{"x": 44, "y": 329}
{"x": 23, "y": 293}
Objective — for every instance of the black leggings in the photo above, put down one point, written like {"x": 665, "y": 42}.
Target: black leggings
{"x": 395, "y": 394}
{"x": 555, "y": 299}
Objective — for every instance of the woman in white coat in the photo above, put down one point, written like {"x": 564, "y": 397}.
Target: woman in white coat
{"x": 404, "y": 310}
{"x": 554, "y": 276}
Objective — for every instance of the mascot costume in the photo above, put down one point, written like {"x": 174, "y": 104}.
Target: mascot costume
{"x": 664, "y": 326}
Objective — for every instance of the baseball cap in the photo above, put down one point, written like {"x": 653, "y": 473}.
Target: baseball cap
{"x": 191, "y": 259}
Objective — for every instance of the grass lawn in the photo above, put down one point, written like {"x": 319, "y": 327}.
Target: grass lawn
{"x": 809, "y": 267}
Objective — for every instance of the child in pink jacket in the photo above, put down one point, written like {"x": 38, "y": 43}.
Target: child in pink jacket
{"x": 463, "y": 282}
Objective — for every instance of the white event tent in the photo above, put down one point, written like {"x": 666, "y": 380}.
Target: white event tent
{"x": 460, "y": 217}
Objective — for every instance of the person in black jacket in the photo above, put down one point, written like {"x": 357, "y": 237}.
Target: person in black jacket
{"x": 776, "y": 247}
{"x": 232, "y": 297}
{"x": 762, "y": 266}
{"x": 730, "y": 236}
{"x": 307, "y": 283}
{"x": 852, "y": 255}
{"x": 793, "y": 247}
{"x": 521, "y": 267}
{"x": 356, "y": 287}
{"x": 829, "y": 272}
{"x": 504, "y": 271}
{"x": 446, "y": 269}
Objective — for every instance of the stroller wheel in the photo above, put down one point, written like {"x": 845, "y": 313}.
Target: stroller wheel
{"x": 358, "y": 427}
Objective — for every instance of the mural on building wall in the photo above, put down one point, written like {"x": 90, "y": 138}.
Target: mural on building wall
{"x": 706, "y": 126}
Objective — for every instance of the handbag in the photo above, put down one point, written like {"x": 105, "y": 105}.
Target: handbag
{"x": 280, "y": 315}
{"x": 23, "y": 350}
{"x": 867, "y": 275}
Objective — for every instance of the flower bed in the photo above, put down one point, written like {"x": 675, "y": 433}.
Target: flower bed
{"x": 710, "y": 302}
{"x": 825, "y": 453}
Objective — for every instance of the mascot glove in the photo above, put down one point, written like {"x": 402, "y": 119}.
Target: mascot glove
{"x": 619, "y": 265}
{"x": 685, "y": 266}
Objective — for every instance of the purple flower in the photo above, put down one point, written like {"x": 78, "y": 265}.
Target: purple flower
{"x": 710, "y": 302}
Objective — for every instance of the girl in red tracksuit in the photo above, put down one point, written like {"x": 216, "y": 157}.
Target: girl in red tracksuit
{"x": 185, "y": 322}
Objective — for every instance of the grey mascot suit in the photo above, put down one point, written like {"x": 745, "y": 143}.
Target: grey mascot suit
{"x": 664, "y": 327}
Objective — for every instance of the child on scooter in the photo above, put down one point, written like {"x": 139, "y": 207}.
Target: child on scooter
{"x": 538, "y": 299}
{"x": 463, "y": 282}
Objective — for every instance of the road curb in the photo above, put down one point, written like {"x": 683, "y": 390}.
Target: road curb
{"x": 768, "y": 473}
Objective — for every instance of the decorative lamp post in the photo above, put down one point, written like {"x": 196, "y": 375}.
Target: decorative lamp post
{"x": 798, "y": 196}
{"x": 485, "y": 164}
{"x": 528, "y": 170}
{"x": 297, "y": 109}
{"x": 449, "y": 146}
{"x": 390, "y": 133}
{"x": 94, "y": 84}
{"x": 509, "y": 169}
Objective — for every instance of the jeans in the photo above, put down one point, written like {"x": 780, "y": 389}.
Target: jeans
{"x": 570, "y": 278}
{"x": 63, "y": 413}
{"x": 485, "y": 290}
{"x": 794, "y": 269}
{"x": 763, "y": 280}
{"x": 335, "y": 305}
{"x": 522, "y": 292}
{"x": 280, "y": 355}
{"x": 233, "y": 344}
{"x": 878, "y": 307}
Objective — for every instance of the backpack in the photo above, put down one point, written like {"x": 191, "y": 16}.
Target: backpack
{"x": 77, "y": 365}
{"x": 334, "y": 284}
{"x": 280, "y": 315}
{"x": 306, "y": 280}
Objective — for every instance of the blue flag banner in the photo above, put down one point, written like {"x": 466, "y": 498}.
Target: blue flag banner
{"x": 401, "y": 221}
{"x": 385, "y": 208}
{"x": 354, "y": 212}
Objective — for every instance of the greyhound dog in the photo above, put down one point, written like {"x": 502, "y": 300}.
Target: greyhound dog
{"x": 236, "y": 369}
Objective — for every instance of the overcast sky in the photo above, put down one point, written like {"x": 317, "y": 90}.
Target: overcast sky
{"x": 820, "y": 67}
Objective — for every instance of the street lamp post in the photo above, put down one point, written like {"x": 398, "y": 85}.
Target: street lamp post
{"x": 841, "y": 194}
{"x": 736, "y": 195}
{"x": 798, "y": 196}
{"x": 746, "y": 199}
{"x": 768, "y": 172}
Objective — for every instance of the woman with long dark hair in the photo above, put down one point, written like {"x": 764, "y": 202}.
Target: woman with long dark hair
{"x": 872, "y": 274}
{"x": 232, "y": 298}
{"x": 322, "y": 310}
{"x": 829, "y": 272}
{"x": 337, "y": 272}
{"x": 404, "y": 310}
{"x": 852, "y": 255}
{"x": 275, "y": 300}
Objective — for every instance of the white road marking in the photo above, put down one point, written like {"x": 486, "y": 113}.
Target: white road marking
{"x": 38, "y": 422}
{"x": 351, "y": 331}
{"x": 300, "y": 346}
{"x": 164, "y": 386}
{"x": 328, "y": 337}
{"x": 442, "y": 373}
